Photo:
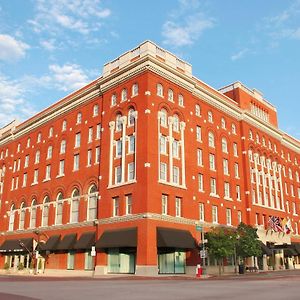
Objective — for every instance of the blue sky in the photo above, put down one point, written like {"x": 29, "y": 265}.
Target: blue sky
{"x": 48, "y": 48}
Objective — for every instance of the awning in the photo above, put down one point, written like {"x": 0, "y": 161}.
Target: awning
{"x": 122, "y": 238}
{"x": 86, "y": 241}
{"x": 68, "y": 242}
{"x": 290, "y": 252}
{"x": 174, "y": 238}
{"x": 51, "y": 243}
{"x": 265, "y": 249}
{"x": 19, "y": 245}
{"x": 296, "y": 246}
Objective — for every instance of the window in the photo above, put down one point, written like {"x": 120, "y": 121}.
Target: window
{"x": 35, "y": 176}
{"x": 170, "y": 95}
{"x": 199, "y": 157}
{"x": 224, "y": 145}
{"x": 159, "y": 90}
{"x": 131, "y": 117}
{"x": 163, "y": 144}
{"x": 250, "y": 135}
{"x": 200, "y": 182}
{"x": 49, "y": 152}
{"x": 223, "y": 123}
{"x": 92, "y": 203}
{"x": 212, "y": 165}
{"x": 113, "y": 99}
{"x": 175, "y": 175}
{"x": 45, "y": 212}
{"x": 26, "y": 162}
{"x": 75, "y": 206}
{"x": 214, "y": 214}
{"x": 95, "y": 110}
{"x": 61, "y": 170}
{"x": 119, "y": 122}
{"x": 175, "y": 149}
{"x": 211, "y": 139}
{"x": 197, "y": 110}
{"x": 90, "y": 135}
{"x": 201, "y": 212}
{"x": 18, "y": 147}
{"x": 27, "y": 145}
{"x": 128, "y": 199}
{"x": 97, "y": 155}
{"x": 98, "y": 131}
{"x": 163, "y": 117}
{"x": 37, "y": 157}
{"x": 59, "y": 209}
{"x": 163, "y": 171}
{"x": 123, "y": 95}
{"x": 238, "y": 193}
{"x": 76, "y": 162}
{"x": 236, "y": 170}
{"x": 210, "y": 117}
{"x": 24, "y": 180}
{"x": 118, "y": 148}
{"x": 71, "y": 260}
{"x": 11, "y": 218}
{"x": 77, "y": 139}
{"x": 290, "y": 174}
{"x": 198, "y": 134}
{"x": 135, "y": 89}
{"x": 50, "y": 132}
{"x": 257, "y": 138}
{"x": 22, "y": 215}
{"x": 79, "y": 118}
{"x": 19, "y": 164}
{"x": 294, "y": 208}
{"x": 64, "y": 125}
{"x": 239, "y": 215}
{"x": 226, "y": 190}
{"x": 225, "y": 167}
{"x": 116, "y": 211}
{"x": 164, "y": 204}
{"x": 233, "y": 128}
{"x": 48, "y": 172}
{"x": 131, "y": 146}
{"x": 39, "y": 138}
{"x": 297, "y": 176}
{"x": 63, "y": 145}
{"x": 213, "y": 186}
{"x": 178, "y": 207}
{"x": 131, "y": 170}
{"x": 89, "y": 158}
{"x": 228, "y": 216}
{"x": 235, "y": 150}
{"x": 33, "y": 214}
{"x": 175, "y": 123}
{"x": 180, "y": 100}
{"x": 118, "y": 175}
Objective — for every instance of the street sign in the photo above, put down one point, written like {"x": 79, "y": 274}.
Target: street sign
{"x": 93, "y": 252}
{"x": 198, "y": 228}
{"x": 203, "y": 253}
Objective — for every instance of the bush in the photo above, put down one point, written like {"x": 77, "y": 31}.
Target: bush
{"x": 40, "y": 265}
{"x": 20, "y": 266}
{"x": 6, "y": 266}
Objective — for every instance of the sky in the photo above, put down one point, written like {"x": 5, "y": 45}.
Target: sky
{"x": 49, "y": 48}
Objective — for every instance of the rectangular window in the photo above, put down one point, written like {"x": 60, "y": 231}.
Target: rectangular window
{"x": 164, "y": 204}
{"x": 294, "y": 208}
{"x": 116, "y": 211}
{"x": 98, "y": 131}
{"x": 292, "y": 191}
{"x": 131, "y": 147}
{"x": 14, "y": 167}
{"x": 76, "y": 162}
{"x": 215, "y": 214}
{"x": 48, "y": 172}
{"x": 228, "y": 216}
{"x": 17, "y": 183}
{"x": 225, "y": 167}
{"x": 61, "y": 168}
{"x": 238, "y": 193}
{"x": 97, "y": 155}
{"x": 175, "y": 148}
{"x": 212, "y": 162}
{"x": 63, "y": 147}
{"x": 131, "y": 171}
{"x": 226, "y": 190}
{"x": 118, "y": 148}
{"x": 24, "y": 179}
{"x": 178, "y": 207}
{"x": 201, "y": 212}
{"x": 77, "y": 139}
{"x": 35, "y": 176}
{"x": 235, "y": 150}
{"x": 163, "y": 172}
{"x": 128, "y": 204}
{"x": 213, "y": 186}
{"x": 175, "y": 175}
{"x": 239, "y": 215}
{"x": 90, "y": 135}
{"x": 88, "y": 261}
{"x": 49, "y": 152}
{"x": 89, "y": 158}
{"x": 70, "y": 260}
{"x": 26, "y": 162}
{"x": 19, "y": 164}
{"x": 236, "y": 170}
{"x": 12, "y": 184}
{"x": 59, "y": 212}
{"x": 118, "y": 175}
{"x": 198, "y": 134}
{"x": 163, "y": 145}
{"x": 199, "y": 157}
{"x": 200, "y": 182}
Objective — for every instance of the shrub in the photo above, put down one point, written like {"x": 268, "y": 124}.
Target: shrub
{"x": 6, "y": 266}
{"x": 20, "y": 266}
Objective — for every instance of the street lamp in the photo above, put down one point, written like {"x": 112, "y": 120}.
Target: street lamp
{"x": 38, "y": 233}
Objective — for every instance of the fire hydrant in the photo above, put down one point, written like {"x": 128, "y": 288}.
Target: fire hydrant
{"x": 199, "y": 271}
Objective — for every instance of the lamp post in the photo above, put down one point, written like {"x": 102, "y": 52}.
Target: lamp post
{"x": 38, "y": 233}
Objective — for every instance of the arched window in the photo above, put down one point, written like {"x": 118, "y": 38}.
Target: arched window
{"x": 264, "y": 141}
{"x": 113, "y": 99}
{"x": 211, "y": 139}
{"x": 39, "y": 138}
{"x": 210, "y": 117}
{"x": 27, "y": 145}
{"x": 92, "y": 202}
{"x": 95, "y": 110}
{"x": 59, "y": 209}
{"x": 180, "y": 100}
{"x": 75, "y": 206}
{"x": 250, "y": 135}
{"x": 79, "y": 118}
{"x": 233, "y": 128}
{"x": 119, "y": 122}
{"x": 37, "y": 156}
{"x": 51, "y": 132}
{"x": 124, "y": 95}
{"x": 63, "y": 145}
{"x": 12, "y": 218}
{"x": 135, "y": 89}
{"x": 257, "y": 138}
{"x": 224, "y": 145}
{"x": 197, "y": 110}
{"x": 64, "y": 125}
{"x": 22, "y": 215}
{"x": 45, "y": 213}
{"x": 170, "y": 95}
{"x": 223, "y": 123}
{"x": 33, "y": 214}
{"x": 49, "y": 152}
{"x": 175, "y": 123}
{"x": 131, "y": 117}
{"x": 163, "y": 117}
{"x": 159, "y": 90}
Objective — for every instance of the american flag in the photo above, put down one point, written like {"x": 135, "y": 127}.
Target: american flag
{"x": 275, "y": 224}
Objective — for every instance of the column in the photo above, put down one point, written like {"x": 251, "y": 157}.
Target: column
{"x": 170, "y": 123}
{"x": 124, "y": 121}
{"x": 111, "y": 151}
{"x": 182, "y": 128}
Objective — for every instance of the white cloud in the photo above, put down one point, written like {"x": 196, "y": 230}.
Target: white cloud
{"x": 186, "y": 24}
{"x": 11, "y": 49}
{"x": 48, "y": 44}
{"x": 239, "y": 54}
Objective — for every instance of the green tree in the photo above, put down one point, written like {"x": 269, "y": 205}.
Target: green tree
{"x": 220, "y": 244}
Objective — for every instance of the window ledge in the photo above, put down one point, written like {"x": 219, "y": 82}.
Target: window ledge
{"x": 60, "y": 175}
{"x": 34, "y": 183}
{"x": 121, "y": 184}
{"x": 214, "y": 195}
{"x": 46, "y": 179}
{"x": 228, "y": 199}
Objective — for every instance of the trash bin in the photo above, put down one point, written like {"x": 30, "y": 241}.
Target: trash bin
{"x": 241, "y": 269}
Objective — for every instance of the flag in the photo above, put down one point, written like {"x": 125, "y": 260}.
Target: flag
{"x": 275, "y": 224}
{"x": 287, "y": 226}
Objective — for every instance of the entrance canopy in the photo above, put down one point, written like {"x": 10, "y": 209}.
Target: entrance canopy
{"x": 18, "y": 245}
{"x": 174, "y": 238}
{"x": 86, "y": 241}
{"x": 51, "y": 243}
{"x": 265, "y": 249}
{"x": 68, "y": 242}
{"x": 122, "y": 238}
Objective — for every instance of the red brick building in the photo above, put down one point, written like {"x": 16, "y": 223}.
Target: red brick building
{"x": 114, "y": 177}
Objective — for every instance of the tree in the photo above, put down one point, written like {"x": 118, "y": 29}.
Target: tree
{"x": 221, "y": 244}
{"x": 247, "y": 243}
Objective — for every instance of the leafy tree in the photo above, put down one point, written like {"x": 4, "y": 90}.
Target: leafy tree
{"x": 221, "y": 244}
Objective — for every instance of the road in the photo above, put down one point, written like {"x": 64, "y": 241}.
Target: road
{"x": 276, "y": 286}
